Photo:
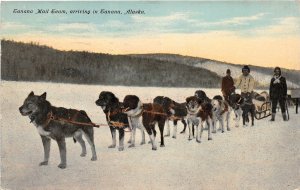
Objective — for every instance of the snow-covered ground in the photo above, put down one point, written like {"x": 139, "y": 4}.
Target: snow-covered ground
{"x": 266, "y": 156}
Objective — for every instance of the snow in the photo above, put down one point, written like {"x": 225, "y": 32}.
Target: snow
{"x": 265, "y": 156}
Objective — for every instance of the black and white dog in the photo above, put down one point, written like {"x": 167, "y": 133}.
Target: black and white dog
{"x": 175, "y": 112}
{"x": 242, "y": 106}
{"x": 146, "y": 115}
{"x": 198, "y": 113}
{"x": 116, "y": 119}
{"x": 58, "y": 123}
{"x": 201, "y": 95}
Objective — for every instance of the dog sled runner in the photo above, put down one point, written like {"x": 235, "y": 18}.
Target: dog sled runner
{"x": 263, "y": 110}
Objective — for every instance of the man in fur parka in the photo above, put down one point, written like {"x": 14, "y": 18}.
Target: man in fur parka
{"x": 278, "y": 93}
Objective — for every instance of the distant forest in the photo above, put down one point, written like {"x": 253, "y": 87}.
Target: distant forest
{"x": 33, "y": 62}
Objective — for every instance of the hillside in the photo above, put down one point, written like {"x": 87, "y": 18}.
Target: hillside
{"x": 262, "y": 75}
{"x": 32, "y": 62}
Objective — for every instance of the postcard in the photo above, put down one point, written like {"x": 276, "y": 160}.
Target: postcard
{"x": 150, "y": 95}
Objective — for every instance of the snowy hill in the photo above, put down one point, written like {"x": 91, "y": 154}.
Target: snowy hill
{"x": 259, "y": 76}
{"x": 262, "y": 75}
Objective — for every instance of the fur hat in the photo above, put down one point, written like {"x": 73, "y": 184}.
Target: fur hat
{"x": 277, "y": 68}
{"x": 228, "y": 71}
{"x": 246, "y": 68}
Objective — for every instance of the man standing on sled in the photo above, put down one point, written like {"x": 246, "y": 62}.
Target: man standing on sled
{"x": 246, "y": 83}
{"x": 278, "y": 93}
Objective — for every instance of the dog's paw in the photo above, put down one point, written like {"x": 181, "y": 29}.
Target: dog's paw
{"x": 62, "y": 165}
{"x": 167, "y": 135}
{"x": 129, "y": 142}
{"x": 149, "y": 142}
{"x": 222, "y": 131}
{"x": 121, "y": 148}
{"x": 83, "y": 154}
{"x": 94, "y": 158}
{"x": 143, "y": 142}
{"x": 214, "y": 131}
{"x": 198, "y": 141}
{"x": 154, "y": 148}
{"x": 44, "y": 163}
{"x": 112, "y": 146}
{"x": 209, "y": 138}
{"x": 162, "y": 145}
{"x": 131, "y": 146}
{"x": 174, "y": 137}
{"x": 190, "y": 138}
{"x": 228, "y": 129}
{"x": 182, "y": 132}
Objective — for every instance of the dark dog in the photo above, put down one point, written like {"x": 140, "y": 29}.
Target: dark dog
{"x": 115, "y": 118}
{"x": 242, "y": 106}
{"x": 248, "y": 107}
{"x": 201, "y": 95}
{"x": 198, "y": 112}
{"x": 175, "y": 111}
{"x": 58, "y": 123}
{"x": 146, "y": 115}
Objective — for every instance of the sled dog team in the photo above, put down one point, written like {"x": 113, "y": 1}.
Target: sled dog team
{"x": 58, "y": 123}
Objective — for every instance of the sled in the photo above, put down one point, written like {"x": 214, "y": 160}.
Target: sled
{"x": 262, "y": 111}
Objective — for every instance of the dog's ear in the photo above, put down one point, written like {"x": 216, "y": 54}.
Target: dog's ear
{"x": 43, "y": 96}
{"x": 31, "y": 93}
{"x": 188, "y": 99}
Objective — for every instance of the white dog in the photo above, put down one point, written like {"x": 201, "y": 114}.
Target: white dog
{"x": 220, "y": 113}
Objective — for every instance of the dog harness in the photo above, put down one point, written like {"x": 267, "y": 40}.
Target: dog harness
{"x": 114, "y": 123}
{"x": 52, "y": 117}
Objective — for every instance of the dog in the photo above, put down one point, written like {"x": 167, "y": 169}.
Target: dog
{"x": 175, "y": 112}
{"x": 198, "y": 112}
{"x": 221, "y": 113}
{"x": 200, "y": 94}
{"x": 58, "y": 123}
{"x": 146, "y": 115}
{"x": 116, "y": 119}
{"x": 242, "y": 106}
{"x": 248, "y": 108}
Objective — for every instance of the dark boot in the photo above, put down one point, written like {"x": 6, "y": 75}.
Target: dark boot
{"x": 284, "y": 116}
{"x": 273, "y": 117}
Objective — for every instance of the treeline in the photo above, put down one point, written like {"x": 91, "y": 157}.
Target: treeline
{"x": 32, "y": 62}
{"x": 293, "y": 75}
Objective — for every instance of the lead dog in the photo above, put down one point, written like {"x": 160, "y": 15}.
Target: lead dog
{"x": 146, "y": 115}
{"x": 198, "y": 112}
{"x": 116, "y": 119}
{"x": 221, "y": 113}
{"x": 57, "y": 123}
{"x": 175, "y": 112}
